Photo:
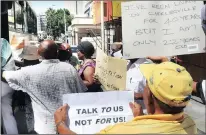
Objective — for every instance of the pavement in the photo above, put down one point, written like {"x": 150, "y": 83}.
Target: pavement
{"x": 196, "y": 110}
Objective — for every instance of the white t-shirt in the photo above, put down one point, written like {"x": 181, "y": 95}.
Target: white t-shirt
{"x": 204, "y": 88}
{"x": 118, "y": 54}
{"x": 135, "y": 80}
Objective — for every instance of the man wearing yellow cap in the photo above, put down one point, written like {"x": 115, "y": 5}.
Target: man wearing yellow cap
{"x": 167, "y": 93}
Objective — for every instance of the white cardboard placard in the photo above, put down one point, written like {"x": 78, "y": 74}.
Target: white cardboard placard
{"x": 162, "y": 28}
{"x": 91, "y": 112}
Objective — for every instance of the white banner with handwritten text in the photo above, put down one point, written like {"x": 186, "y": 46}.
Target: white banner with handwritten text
{"x": 162, "y": 28}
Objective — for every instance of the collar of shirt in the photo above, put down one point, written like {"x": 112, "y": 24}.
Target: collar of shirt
{"x": 50, "y": 61}
{"x": 165, "y": 117}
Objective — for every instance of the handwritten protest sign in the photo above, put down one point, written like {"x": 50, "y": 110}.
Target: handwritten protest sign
{"x": 89, "y": 113}
{"x": 166, "y": 28}
{"x": 111, "y": 71}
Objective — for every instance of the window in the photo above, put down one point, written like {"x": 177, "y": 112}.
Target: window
{"x": 105, "y": 9}
{"x": 11, "y": 17}
{"x": 31, "y": 20}
{"x": 19, "y": 17}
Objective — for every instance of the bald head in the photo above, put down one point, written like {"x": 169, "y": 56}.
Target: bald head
{"x": 48, "y": 49}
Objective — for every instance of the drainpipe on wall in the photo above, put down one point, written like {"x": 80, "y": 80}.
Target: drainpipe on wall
{"x": 102, "y": 24}
{"x": 25, "y": 19}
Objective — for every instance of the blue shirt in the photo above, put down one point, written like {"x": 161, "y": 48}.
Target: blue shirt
{"x": 5, "y": 51}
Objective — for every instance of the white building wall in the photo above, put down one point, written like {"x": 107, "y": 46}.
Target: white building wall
{"x": 76, "y": 8}
{"x": 82, "y": 11}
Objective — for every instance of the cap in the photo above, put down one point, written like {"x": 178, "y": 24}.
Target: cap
{"x": 17, "y": 41}
{"x": 86, "y": 48}
{"x": 169, "y": 83}
{"x": 30, "y": 51}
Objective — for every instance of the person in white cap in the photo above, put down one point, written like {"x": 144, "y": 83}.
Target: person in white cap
{"x": 29, "y": 54}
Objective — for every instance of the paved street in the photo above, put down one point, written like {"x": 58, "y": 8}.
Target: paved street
{"x": 197, "y": 111}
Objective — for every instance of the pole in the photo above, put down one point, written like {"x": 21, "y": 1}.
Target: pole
{"x": 25, "y": 18}
{"x": 65, "y": 25}
{"x": 4, "y": 20}
{"x": 102, "y": 24}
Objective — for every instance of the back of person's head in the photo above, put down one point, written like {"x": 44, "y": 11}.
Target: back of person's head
{"x": 170, "y": 85}
{"x": 64, "y": 52}
{"x": 48, "y": 49}
{"x": 86, "y": 48}
{"x": 116, "y": 46}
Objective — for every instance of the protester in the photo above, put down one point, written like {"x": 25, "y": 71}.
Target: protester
{"x": 87, "y": 70}
{"x": 21, "y": 100}
{"x": 65, "y": 54}
{"x": 167, "y": 93}
{"x": 199, "y": 90}
{"x": 7, "y": 64}
{"x": 135, "y": 80}
{"x": 46, "y": 83}
{"x": 29, "y": 54}
{"x": 116, "y": 49}
{"x": 73, "y": 59}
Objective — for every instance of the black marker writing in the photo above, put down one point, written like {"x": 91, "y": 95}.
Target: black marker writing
{"x": 166, "y": 32}
{"x": 190, "y": 17}
{"x": 180, "y": 46}
{"x": 187, "y": 28}
{"x": 146, "y": 31}
{"x": 160, "y": 6}
{"x": 181, "y": 41}
{"x": 144, "y": 42}
{"x": 150, "y": 21}
{"x": 179, "y": 3}
{"x": 134, "y": 14}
